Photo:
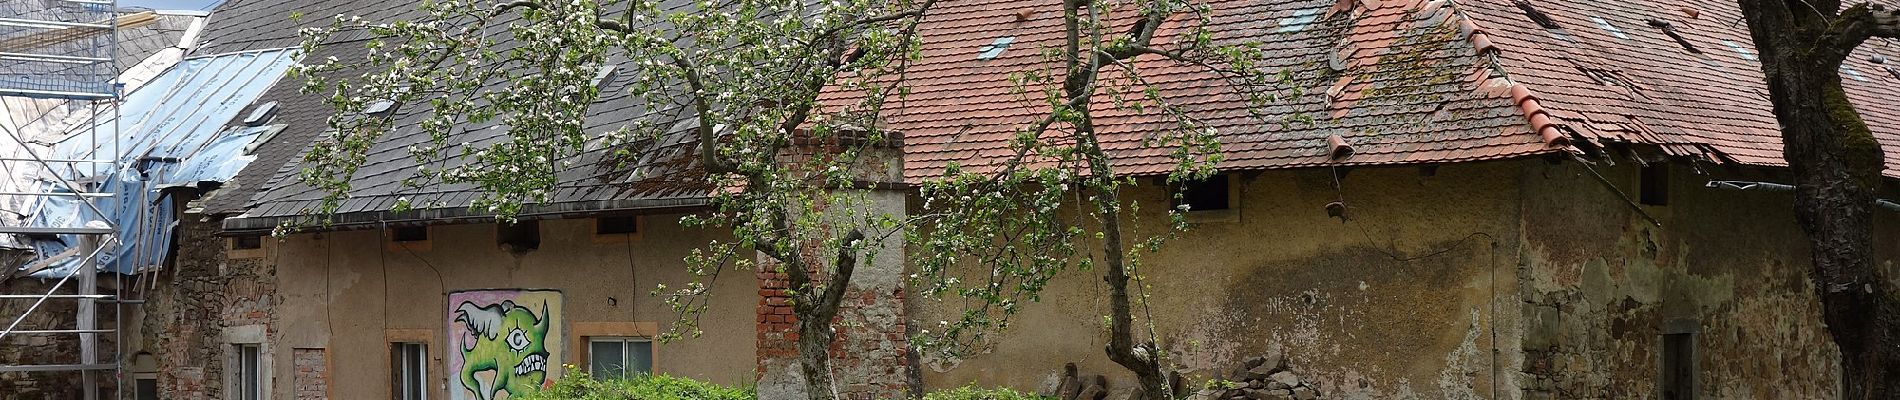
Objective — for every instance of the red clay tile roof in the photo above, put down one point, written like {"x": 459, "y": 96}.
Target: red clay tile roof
{"x": 1611, "y": 76}
{"x": 1400, "y": 81}
{"x": 1397, "y": 85}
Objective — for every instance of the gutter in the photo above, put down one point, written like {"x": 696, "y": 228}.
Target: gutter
{"x": 246, "y": 224}
{"x": 1890, "y": 205}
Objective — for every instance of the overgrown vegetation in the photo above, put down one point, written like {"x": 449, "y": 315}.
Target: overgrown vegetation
{"x": 977, "y": 393}
{"x": 577, "y": 385}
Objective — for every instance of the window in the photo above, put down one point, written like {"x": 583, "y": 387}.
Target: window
{"x": 619, "y": 357}
{"x": 1678, "y": 366}
{"x": 616, "y": 225}
{"x": 409, "y": 370}
{"x": 1206, "y": 195}
{"x": 145, "y": 387}
{"x": 247, "y": 242}
{"x": 249, "y": 374}
{"x": 519, "y": 236}
{"x": 1655, "y": 184}
{"x": 410, "y": 234}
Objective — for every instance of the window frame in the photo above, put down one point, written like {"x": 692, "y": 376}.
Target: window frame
{"x": 580, "y": 343}
{"x": 625, "y": 355}
{"x": 236, "y": 251}
{"x": 250, "y": 371}
{"x": 236, "y": 341}
{"x": 1235, "y": 185}
{"x": 401, "y": 376}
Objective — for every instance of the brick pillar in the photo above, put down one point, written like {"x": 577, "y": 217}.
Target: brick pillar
{"x": 870, "y": 357}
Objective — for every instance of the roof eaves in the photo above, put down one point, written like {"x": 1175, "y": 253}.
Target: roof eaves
{"x": 244, "y": 224}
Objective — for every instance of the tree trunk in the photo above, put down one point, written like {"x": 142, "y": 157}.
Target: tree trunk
{"x": 814, "y": 357}
{"x": 1837, "y": 167}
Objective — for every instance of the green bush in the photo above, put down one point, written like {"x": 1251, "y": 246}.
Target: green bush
{"x": 975, "y": 393}
{"x": 576, "y": 385}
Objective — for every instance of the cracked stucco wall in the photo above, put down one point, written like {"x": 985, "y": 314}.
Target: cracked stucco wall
{"x": 1602, "y": 285}
{"x": 1402, "y": 301}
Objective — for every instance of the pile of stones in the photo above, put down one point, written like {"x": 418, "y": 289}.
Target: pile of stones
{"x": 1074, "y": 387}
{"x": 1259, "y": 378}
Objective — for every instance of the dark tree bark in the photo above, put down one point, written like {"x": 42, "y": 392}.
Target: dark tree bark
{"x": 1837, "y": 167}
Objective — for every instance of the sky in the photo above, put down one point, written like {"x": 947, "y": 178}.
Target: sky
{"x": 170, "y": 4}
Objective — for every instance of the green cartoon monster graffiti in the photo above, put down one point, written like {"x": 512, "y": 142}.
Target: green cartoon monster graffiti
{"x": 507, "y": 339}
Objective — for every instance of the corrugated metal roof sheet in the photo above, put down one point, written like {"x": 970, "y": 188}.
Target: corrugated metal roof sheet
{"x": 168, "y": 132}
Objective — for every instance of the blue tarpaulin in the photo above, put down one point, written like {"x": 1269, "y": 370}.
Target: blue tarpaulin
{"x": 170, "y": 134}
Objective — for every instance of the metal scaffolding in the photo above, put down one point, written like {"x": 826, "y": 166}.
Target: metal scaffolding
{"x": 64, "y": 50}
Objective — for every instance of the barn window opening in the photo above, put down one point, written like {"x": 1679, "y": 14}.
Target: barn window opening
{"x": 410, "y": 234}
{"x": 518, "y": 236}
{"x": 616, "y": 225}
{"x": 247, "y": 242}
{"x": 1678, "y": 366}
{"x": 1205, "y": 195}
{"x": 1655, "y": 184}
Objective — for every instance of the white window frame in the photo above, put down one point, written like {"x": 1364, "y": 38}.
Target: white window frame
{"x": 250, "y": 357}
{"x": 237, "y": 339}
{"x": 624, "y": 353}
{"x": 419, "y": 379}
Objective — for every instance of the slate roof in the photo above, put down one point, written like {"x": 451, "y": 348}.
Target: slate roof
{"x": 660, "y": 173}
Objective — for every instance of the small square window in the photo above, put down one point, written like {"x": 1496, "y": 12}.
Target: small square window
{"x": 616, "y": 225}
{"x": 619, "y": 357}
{"x": 410, "y": 234}
{"x": 519, "y": 236}
{"x": 145, "y": 387}
{"x": 409, "y": 370}
{"x": 247, "y": 242}
{"x": 1206, "y": 195}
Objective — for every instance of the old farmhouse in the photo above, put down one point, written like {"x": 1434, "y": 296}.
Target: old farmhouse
{"x": 1456, "y": 199}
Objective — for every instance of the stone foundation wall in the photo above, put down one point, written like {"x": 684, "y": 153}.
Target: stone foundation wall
{"x": 204, "y": 292}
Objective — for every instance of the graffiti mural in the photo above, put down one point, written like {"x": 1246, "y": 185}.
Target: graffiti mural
{"x": 503, "y": 341}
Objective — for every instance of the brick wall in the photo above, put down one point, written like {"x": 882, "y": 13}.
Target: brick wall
{"x": 312, "y": 378}
{"x": 869, "y": 356}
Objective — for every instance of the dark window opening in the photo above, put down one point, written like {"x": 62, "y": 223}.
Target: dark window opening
{"x": 410, "y": 234}
{"x": 1655, "y": 184}
{"x": 247, "y": 242}
{"x": 1678, "y": 366}
{"x": 409, "y": 371}
{"x": 616, "y": 225}
{"x": 1206, "y": 195}
{"x": 518, "y": 236}
{"x": 1540, "y": 17}
{"x": 146, "y": 388}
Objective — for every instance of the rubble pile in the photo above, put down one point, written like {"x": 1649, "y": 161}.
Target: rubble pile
{"x": 1259, "y": 378}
